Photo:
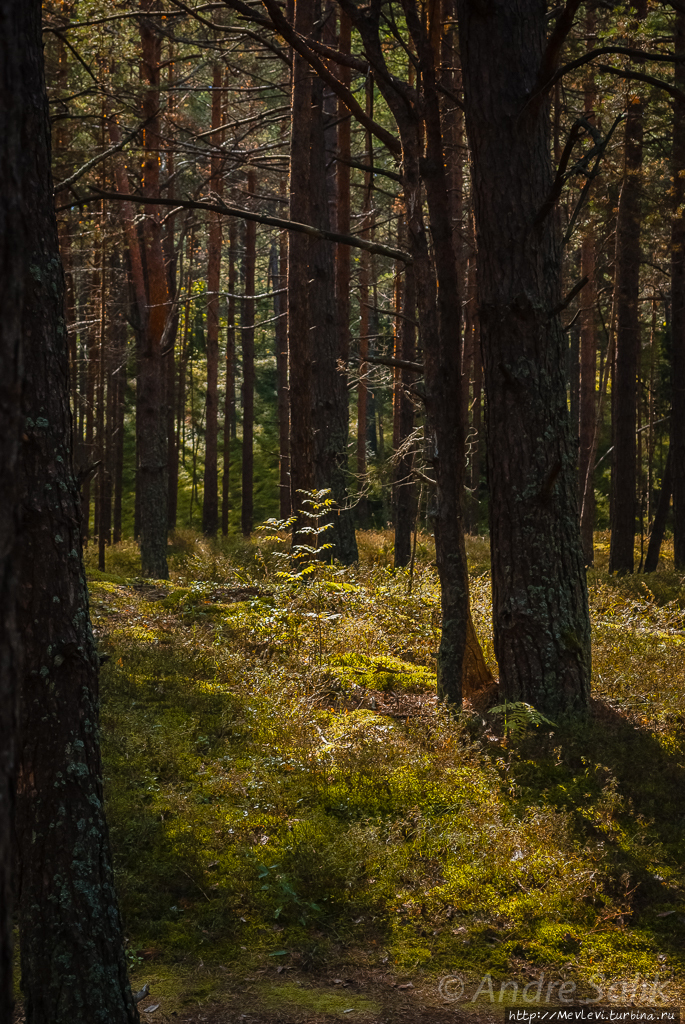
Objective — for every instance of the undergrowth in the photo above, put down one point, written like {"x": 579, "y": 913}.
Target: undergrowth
{"x": 284, "y": 791}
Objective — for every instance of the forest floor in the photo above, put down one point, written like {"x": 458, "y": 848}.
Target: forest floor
{"x": 302, "y": 834}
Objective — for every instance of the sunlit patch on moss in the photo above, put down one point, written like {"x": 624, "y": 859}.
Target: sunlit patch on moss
{"x": 252, "y": 809}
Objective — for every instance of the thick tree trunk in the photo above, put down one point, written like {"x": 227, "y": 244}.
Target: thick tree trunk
{"x": 624, "y": 384}
{"x": 330, "y": 415}
{"x": 329, "y": 392}
{"x": 210, "y": 501}
{"x": 15, "y": 257}
{"x": 247, "y": 339}
{"x": 678, "y": 305}
{"x": 72, "y": 951}
{"x": 540, "y": 608}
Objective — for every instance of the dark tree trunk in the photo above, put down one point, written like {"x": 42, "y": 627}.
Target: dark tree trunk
{"x": 103, "y": 520}
{"x": 540, "y": 608}
{"x": 587, "y": 407}
{"x": 118, "y": 385}
{"x": 587, "y": 412}
{"x": 247, "y": 339}
{"x": 210, "y": 501}
{"x": 660, "y": 516}
{"x": 72, "y": 950}
{"x": 170, "y": 264}
{"x": 329, "y": 390}
{"x": 229, "y": 398}
{"x": 15, "y": 257}
{"x": 150, "y": 415}
{"x": 342, "y": 205}
{"x": 299, "y": 349}
{"x": 404, "y": 490}
{"x": 364, "y": 323}
{"x": 678, "y": 305}
{"x": 281, "y": 311}
{"x": 624, "y": 385}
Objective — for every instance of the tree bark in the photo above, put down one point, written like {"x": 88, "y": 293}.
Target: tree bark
{"x": 587, "y": 407}
{"x": 247, "y": 339}
{"x": 15, "y": 253}
{"x": 72, "y": 950}
{"x": 342, "y": 204}
{"x": 678, "y": 305}
{"x": 540, "y": 607}
{"x": 330, "y": 414}
{"x": 150, "y": 412}
{"x": 624, "y": 389}
{"x": 118, "y": 386}
{"x": 281, "y": 338}
{"x": 404, "y": 490}
{"x": 587, "y": 413}
{"x": 656, "y": 535}
{"x": 299, "y": 349}
{"x": 210, "y": 501}
{"x": 229, "y": 398}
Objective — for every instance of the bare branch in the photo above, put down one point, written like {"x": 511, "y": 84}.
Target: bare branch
{"x": 259, "y": 218}
{"x": 99, "y": 158}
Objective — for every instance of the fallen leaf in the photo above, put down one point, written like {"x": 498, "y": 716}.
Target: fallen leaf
{"x": 151, "y": 1009}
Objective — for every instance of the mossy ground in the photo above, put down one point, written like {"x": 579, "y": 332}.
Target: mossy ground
{"x": 289, "y": 805}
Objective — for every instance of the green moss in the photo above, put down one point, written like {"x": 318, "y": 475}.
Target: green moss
{"x": 291, "y": 996}
{"x": 253, "y": 809}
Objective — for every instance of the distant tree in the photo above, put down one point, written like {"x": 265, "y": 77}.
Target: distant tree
{"x": 72, "y": 951}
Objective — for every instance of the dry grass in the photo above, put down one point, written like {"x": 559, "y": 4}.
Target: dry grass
{"x": 284, "y": 791}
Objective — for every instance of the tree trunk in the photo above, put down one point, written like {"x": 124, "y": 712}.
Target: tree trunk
{"x": 72, "y": 950}
{"x": 540, "y": 608}
{"x": 118, "y": 386}
{"x": 210, "y": 501}
{"x": 404, "y": 490}
{"x": 659, "y": 525}
{"x": 15, "y": 257}
{"x": 678, "y": 305}
{"x": 247, "y": 339}
{"x": 150, "y": 413}
{"x": 299, "y": 349}
{"x": 342, "y": 204}
{"x": 171, "y": 261}
{"x": 329, "y": 391}
{"x": 281, "y": 311}
{"x": 229, "y": 398}
{"x": 624, "y": 387}
{"x": 587, "y": 407}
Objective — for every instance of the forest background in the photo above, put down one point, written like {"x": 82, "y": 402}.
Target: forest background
{"x": 263, "y": 307}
